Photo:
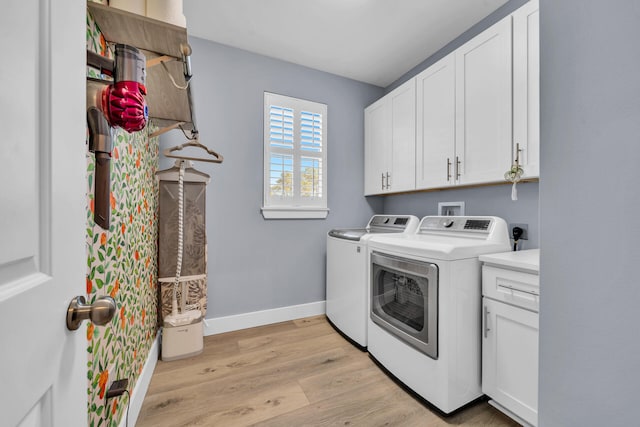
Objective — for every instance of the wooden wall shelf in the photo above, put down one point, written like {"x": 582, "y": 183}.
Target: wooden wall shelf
{"x": 167, "y": 104}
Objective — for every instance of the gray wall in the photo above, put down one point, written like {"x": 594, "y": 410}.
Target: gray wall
{"x": 256, "y": 264}
{"x": 493, "y": 200}
{"x": 589, "y": 205}
{"x": 497, "y": 15}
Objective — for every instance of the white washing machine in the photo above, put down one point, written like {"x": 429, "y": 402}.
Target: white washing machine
{"x": 426, "y": 294}
{"x": 347, "y": 286}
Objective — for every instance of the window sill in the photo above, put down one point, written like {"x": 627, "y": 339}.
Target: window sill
{"x": 294, "y": 213}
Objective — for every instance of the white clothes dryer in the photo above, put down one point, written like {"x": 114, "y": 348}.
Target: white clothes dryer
{"x": 347, "y": 286}
{"x": 425, "y": 298}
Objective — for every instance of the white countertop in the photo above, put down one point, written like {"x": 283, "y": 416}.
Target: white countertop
{"x": 528, "y": 260}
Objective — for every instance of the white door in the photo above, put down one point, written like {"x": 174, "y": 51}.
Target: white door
{"x": 510, "y": 358}
{"x": 483, "y": 105}
{"x": 377, "y": 143}
{"x": 42, "y": 212}
{"x": 526, "y": 87}
{"x": 436, "y": 122}
{"x": 402, "y": 169}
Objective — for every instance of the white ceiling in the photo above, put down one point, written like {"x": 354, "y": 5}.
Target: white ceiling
{"x": 373, "y": 41}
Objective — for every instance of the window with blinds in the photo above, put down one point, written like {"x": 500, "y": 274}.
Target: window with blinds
{"x": 295, "y": 158}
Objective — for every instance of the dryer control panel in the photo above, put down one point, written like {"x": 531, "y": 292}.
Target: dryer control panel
{"x": 456, "y": 224}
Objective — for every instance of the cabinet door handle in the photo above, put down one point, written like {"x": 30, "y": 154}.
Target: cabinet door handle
{"x": 388, "y": 176}
{"x": 513, "y": 288}
{"x": 448, "y": 169}
{"x": 518, "y": 150}
{"x": 486, "y": 321}
{"x": 458, "y": 162}
{"x": 382, "y": 181}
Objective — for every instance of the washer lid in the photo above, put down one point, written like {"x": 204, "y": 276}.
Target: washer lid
{"x": 354, "y": 234}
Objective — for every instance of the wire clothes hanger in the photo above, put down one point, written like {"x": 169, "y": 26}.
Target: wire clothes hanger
{"x": 217, "y": 158}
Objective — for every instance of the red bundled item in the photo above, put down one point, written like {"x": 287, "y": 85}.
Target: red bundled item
{"x": 125, "y": 105}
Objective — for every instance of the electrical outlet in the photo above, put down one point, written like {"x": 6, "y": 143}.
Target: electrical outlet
{"x": 117, "y": 388}
{"x": 525, "y": 231}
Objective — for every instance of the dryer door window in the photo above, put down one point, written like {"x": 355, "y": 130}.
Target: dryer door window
{"x": 404, "y": 300}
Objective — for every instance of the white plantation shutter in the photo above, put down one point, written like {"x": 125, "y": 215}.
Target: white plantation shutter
{"x": 280, "y": 127}
{"x": 295, "y": 158}
{"x": 311, "y": 131}
{"x": 281, "y": 146}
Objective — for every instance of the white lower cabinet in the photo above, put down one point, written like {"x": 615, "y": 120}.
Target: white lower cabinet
{"x": 510, "y": 358}
{"x": 510, "y": 304}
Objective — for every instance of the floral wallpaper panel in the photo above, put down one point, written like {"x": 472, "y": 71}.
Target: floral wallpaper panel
{"x": 121, "y": 262}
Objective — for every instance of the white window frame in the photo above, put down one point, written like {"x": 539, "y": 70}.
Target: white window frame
{"x": 295, "y": 206}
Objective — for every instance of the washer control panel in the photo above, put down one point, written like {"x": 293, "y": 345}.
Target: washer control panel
{"x": 391, "y": 222}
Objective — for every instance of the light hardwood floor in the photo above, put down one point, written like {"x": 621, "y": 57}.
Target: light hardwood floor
{"x": 297, "y": 373}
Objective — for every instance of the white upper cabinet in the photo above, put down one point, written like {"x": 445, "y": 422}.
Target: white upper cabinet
{"x": 390, "y": 142}
{"x": 526, "y": 88}
{"x": 436, "y": 121}
{"x": 483, "y": 101}
{"x": 465, "y": 119}
{"x": 377, "y": 134}
{"x": 403, "y": 138}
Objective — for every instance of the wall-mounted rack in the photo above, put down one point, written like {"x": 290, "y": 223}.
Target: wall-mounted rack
{"x": 160, "y": 42}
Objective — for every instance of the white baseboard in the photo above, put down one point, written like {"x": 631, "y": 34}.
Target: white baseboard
{"x": 140, "y": 390}
{"x": 218, "y": 325}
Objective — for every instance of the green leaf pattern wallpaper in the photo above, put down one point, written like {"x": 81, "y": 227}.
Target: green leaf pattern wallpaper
{"x": 121, "y": 262}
